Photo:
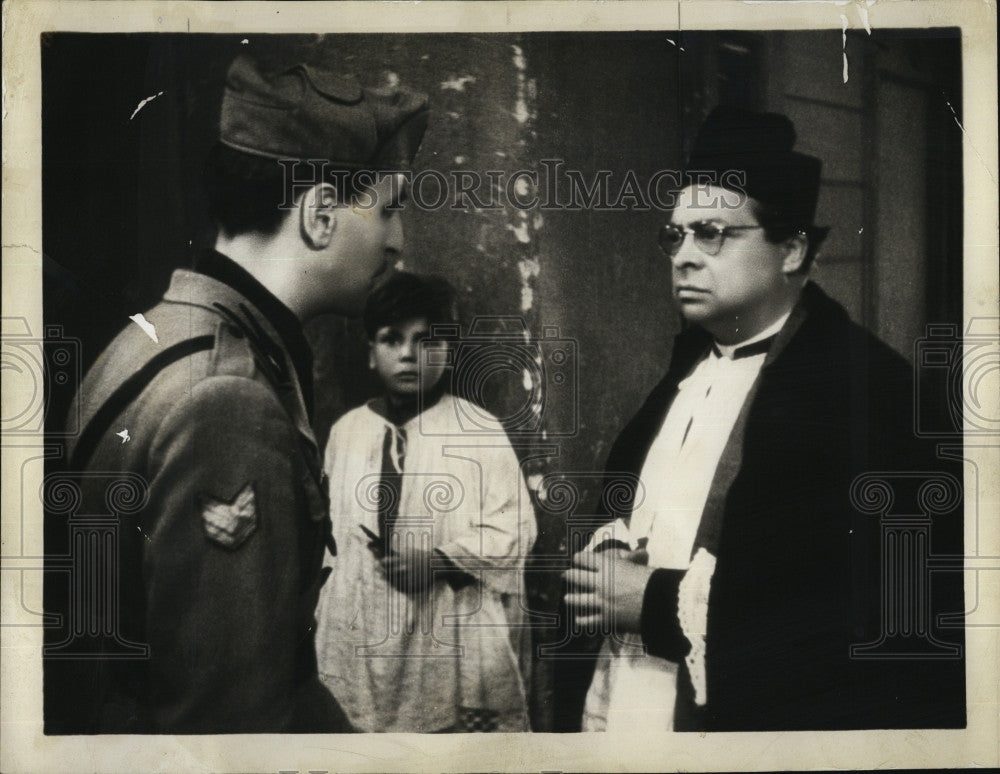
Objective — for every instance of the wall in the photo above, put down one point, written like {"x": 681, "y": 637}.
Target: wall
{"x": 892, "y": 151}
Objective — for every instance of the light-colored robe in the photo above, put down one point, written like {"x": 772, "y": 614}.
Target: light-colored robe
{"x": 410, "y": 663}
{"x": 631, "y": 690}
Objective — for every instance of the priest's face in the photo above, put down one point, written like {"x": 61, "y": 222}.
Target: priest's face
{"x": 396, "y": 358}
{"x": 727, "y": 277}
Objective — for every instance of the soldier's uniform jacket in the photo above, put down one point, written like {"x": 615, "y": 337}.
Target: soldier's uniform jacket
{"x": 220, "y": 570}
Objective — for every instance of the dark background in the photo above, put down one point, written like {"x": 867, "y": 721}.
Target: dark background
{"x": 123, "y": 207}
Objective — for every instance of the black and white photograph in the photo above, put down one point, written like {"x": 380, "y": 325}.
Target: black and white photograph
{"x": 377, "y": 376}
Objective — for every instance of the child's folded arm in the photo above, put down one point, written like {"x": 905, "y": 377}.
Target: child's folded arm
{"x": 500, "y": 536}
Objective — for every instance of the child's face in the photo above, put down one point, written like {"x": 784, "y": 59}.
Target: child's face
{"x": 396, "y": 357}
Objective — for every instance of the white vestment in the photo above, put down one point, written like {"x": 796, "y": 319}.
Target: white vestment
{"x": 631, "y": 690}
{"x": 414, "y": 662}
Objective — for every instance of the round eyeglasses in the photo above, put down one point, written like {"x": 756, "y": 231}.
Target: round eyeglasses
{"x": 708, "y": 236}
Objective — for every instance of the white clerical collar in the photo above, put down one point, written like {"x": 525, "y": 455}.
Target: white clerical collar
{"x": 746, "y": 348}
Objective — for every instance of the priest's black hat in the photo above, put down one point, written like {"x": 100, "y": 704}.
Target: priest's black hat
{"x": 752, "y": 153}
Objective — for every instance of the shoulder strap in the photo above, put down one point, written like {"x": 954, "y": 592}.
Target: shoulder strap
{"x": 128, "y": 391}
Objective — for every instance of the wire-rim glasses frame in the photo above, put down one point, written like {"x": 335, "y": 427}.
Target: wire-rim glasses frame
{"x": 708, "y": 236}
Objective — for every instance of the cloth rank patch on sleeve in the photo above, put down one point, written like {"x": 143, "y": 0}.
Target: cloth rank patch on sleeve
{"x": 230, "y": 524}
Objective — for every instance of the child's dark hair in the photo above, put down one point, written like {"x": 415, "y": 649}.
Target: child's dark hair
{"x": 405, "y": 296}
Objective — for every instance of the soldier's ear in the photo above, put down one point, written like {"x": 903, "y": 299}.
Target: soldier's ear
{"x": 318, "y": 215}
{"x": 371, "y": 355}
{"x": 795, "y": 253}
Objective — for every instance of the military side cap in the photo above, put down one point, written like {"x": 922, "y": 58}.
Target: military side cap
{"x": 758, "y": 145}
{"x": 307, "y": 112}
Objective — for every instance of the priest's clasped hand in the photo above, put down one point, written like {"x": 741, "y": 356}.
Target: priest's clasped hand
{"x": 606, "y": 590}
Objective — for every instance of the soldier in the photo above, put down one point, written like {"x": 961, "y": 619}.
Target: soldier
{"x": 221, "y": 568}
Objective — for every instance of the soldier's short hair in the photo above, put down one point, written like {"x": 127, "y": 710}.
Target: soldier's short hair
{"x": 248, "y": 193}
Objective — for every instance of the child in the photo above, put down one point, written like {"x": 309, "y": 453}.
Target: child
{"x": 419, "y": 623}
